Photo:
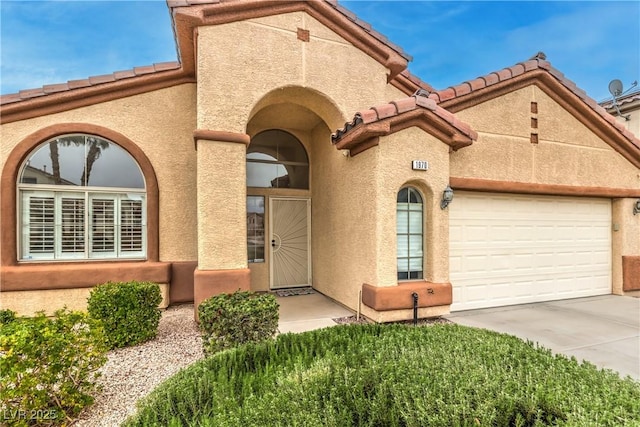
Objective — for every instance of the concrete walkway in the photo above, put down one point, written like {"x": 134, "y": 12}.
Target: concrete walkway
{"x": 300, "y": 313}
{"x": 604, "y": 330}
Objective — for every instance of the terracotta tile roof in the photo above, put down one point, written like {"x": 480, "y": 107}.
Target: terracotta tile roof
{"x": 537, "y": 63}
{"x": 93, "y": 81}
{"x": 460, "y": 133}
{"x": 334, "y": 3}
{"x": 45, "y": 90}
{"x": 625, "y": 99}
{"x": 367, "y": 27}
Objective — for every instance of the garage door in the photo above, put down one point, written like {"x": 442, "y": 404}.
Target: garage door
{"x": 513, "y": 249}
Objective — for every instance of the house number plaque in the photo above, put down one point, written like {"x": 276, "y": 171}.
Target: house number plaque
{"x": 420, "y": 165}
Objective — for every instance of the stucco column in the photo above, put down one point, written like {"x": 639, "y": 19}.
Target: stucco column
{"x": 222, "y": 226}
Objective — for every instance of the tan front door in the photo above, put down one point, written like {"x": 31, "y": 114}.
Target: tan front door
{"x": 289, "y": 242}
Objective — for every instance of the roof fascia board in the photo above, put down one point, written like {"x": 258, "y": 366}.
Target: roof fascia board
{"x": 187, "y": 18}
{"x": 82, "y": 97}
{"x": 426, "y": 120}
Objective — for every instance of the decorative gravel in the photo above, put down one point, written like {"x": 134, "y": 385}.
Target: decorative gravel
{"x": 133, "y": 372}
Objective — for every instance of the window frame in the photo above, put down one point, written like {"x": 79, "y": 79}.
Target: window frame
{"x": 419, "y": 274}
{"x": 276, "y": 161}
{"x": 87, "y": 194}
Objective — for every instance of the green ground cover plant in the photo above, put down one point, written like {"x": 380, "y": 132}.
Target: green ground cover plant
{"x": 392, "y": 375}
{"x": 128, "y": 311}
{"x": 229, "y": 320}
{"x": 49, "y": 367}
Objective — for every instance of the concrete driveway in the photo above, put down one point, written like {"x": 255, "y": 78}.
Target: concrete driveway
{"x": 603, "y": 330}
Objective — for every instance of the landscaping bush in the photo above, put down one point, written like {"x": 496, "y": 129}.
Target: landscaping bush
{"x": 128, "y": 311}
{"x": 228, "y": 320}
{"x": 49, "y": 367}
{"x": 376, "y": 375}
{"x": 7, "y": 316}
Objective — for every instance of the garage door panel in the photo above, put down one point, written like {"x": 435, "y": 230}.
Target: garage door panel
{"x": 512, "y": 249}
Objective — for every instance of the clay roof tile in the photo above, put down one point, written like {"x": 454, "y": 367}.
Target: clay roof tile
{"x": 425, "y": 102}
{"x": 60, "y": 87}
{"x": 517, "y": 69}
{"x": 504, "y": 74}
{"x": 478, "y": 83}
{"x": 385, "y": 110}
{"x": 491, "y": 79}
{"x": 76, "y": 84}
{"x": 448, "y": 93}
{"x": 368, "y": 116}
{"x": 106, "y": 78}
{"x": 405, "y": 104}
{"x": 147, "y": 69}
{"x": 124, "y": 74}
{"x": 165, "y": 66}
{"x": 10, "y": 98}
{"x": 31, "y": 93}
{"x": 462, "y": 89}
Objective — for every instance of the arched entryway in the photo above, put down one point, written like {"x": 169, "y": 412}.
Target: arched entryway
{"x": 278, "y": 221}
{"x": 290, "y": 132}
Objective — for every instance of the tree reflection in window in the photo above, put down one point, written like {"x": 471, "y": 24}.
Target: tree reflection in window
{"x": 277, "y": 159}
{"x": 81, "y": 197}
{"x": 82, "y": 160}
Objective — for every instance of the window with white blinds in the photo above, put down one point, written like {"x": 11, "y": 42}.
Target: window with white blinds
{"x": 81, "y": 197}
{"x": 409, "y": 232}
{"x": 60, "y": 225}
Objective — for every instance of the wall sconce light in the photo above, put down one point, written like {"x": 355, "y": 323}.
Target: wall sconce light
{"x": 636, "y": 207}
{"x": 447, "y": 197}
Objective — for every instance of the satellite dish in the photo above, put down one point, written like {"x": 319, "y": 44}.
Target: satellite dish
{"x": 615, "y": 87}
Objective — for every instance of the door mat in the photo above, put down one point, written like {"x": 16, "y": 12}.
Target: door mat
{"x": 293, "y": 292}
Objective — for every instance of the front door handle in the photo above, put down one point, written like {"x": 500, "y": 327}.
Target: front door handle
{"x": 273, "y": 243}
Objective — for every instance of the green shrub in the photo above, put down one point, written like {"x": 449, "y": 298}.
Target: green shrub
{"x": 49, "y": 367}
{"x": 128, "y": 311}
{"x": 7, "y": 316}
{"x": 391, "y": 375}
{"x": 228, "y": 320}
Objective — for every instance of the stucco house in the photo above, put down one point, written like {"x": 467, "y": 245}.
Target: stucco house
{"x": 299, "y": 118}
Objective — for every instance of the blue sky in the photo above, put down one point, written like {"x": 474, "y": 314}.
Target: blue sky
{"x": 591, "y": 42}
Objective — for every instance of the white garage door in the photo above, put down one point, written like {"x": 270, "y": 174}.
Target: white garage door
{"x": 513, "y": 249}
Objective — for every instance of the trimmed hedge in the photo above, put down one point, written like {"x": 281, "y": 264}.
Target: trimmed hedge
{"x": 49, "y": 367}
{"x": 128, "y": 311}
{"x": 376, "y": 375}
{"x": 229, "y": 320}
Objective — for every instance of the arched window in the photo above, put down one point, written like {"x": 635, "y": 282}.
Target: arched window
{"x": 81, "y": 197}
{"x": 276, "y": 159}
{"x": 409, "y": 213}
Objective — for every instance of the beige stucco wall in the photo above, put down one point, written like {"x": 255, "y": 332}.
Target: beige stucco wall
{"x": 396, "y": 154}
{"x": 309, "y": 89}
{"x": 354, "y": 218}
{"x": 235, "y": 72}
{"x": 222, "y": 225}
{"x": 567, "y": 153}
{"x": 28, "y": 303}
{"x": 161, "y": 123}
{"x": 344, "y": 217}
